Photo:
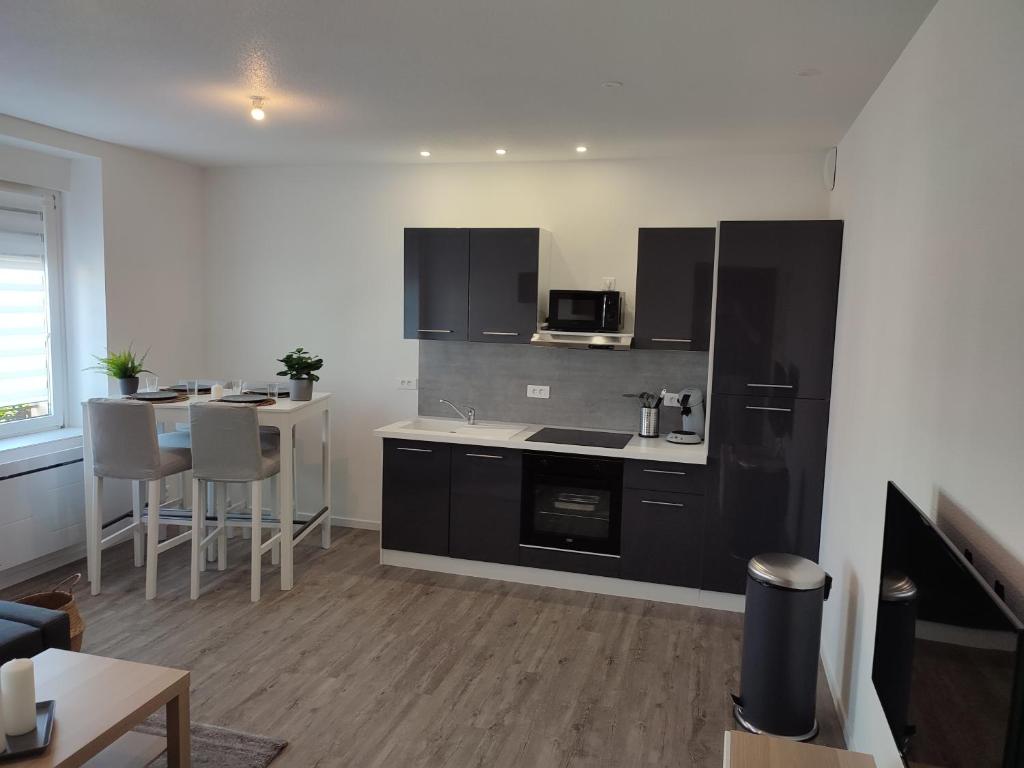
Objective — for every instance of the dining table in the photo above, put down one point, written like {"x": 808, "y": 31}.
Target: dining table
{"x": 285, "y": 414}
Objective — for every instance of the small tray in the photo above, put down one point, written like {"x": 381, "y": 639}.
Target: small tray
{"x": 33, "y": 742}
{"x": 163, "y": 396}
{"x": 250, "y": 398}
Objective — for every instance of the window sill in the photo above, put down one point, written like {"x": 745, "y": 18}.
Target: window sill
{"x": 25, "y": 452}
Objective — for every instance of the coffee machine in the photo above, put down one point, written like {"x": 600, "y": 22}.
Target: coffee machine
{"x": 691, "y": 407}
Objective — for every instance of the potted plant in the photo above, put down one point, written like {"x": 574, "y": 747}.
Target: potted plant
{"x": 300, "y": 367}
{"x": 123, "y": 366}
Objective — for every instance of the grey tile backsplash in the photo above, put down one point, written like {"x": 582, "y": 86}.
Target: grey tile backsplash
{"x": 586, "y": 385}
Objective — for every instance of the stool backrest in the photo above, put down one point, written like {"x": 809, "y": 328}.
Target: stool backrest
{"x": 124, "y": 441}
{"x": 225, "y": 442}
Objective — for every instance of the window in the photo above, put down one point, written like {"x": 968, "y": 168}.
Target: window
{"x": 31, "y": 331}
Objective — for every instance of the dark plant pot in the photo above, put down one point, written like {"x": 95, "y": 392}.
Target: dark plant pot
{"x": 129, "y": 386}
{"x": 300, "y": 389}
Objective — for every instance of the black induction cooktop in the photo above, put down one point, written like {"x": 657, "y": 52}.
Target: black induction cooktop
{"x": 580, "y": 437}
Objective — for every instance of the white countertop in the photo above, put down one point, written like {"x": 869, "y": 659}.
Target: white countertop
{"x": 437, "y": 430}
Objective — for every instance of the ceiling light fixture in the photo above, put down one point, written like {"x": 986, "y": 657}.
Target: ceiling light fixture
{"x": 581, "y": 149}
{"x": 808, "y": 72}
{"x": 424, "y": 153}
{"x": 612, "y": 83}
{"x": 257, "y": 112}
{"x": 500, "y": 151}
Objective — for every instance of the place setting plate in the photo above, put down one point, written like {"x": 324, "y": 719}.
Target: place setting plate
{"x": 249, "y": 398}
{"x": 161, "y": 396}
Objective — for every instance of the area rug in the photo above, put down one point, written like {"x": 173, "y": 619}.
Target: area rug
{"x": 216, "y": 747}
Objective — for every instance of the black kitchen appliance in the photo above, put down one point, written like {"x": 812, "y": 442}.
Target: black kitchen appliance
{"x": 585, "y": 311}
{"x": 572, "y": 502}
{"x": 589, "y": 438}
{"x": 949, "y": 655}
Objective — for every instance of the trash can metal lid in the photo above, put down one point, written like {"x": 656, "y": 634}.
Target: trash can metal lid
{"x": 898, "y": 587}
{"x": 779, "y": 569}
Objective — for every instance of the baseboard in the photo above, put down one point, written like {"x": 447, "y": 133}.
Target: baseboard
{"x": 355, "y": 522}
{"x": 41, "y": 565}
{"x": 837, "y": 702}
{"x": 579, "y": 582}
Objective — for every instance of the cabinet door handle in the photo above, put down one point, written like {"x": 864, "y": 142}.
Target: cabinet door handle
{"x": 766, "y": 408}
{"x": 499, "y": 333}
{"x": 665, "y": 472}
{"x": 434, "y": 330}
{"x": 485, "y": 456}
{"x": 415, "y": 450}
{"x": 772, "y": 386}
{"x": 662, "y": 503}
{"x": 677, "y": 341}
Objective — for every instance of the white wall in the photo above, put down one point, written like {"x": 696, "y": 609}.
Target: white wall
{"x": 313, "y": 257}
{"x": 929, "y": 352}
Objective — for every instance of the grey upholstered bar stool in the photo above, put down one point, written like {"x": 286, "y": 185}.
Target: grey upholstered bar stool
{"x": 126, "y": 446}
{"x": 228, "y": 447}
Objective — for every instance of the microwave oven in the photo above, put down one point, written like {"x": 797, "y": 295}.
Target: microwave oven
{"x": 585, "y": 311}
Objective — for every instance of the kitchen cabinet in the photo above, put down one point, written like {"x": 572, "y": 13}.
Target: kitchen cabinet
{"x": 664, "y": 476}
{"x": 415, "y": 496}
{"x": 662, "y": 537}
{"x": 503, "y": 273}
{"x": 778, "y": 284}
{"x": 766, "y": 469}
{"x": 674, "y": 281}
{"x": 437, "y": 284}
{"x": 486, "y": 488}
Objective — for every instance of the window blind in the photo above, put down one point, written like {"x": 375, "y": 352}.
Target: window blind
{"x": 24, "y": 317}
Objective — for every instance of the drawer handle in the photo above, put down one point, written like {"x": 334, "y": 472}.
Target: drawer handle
{"x": 662, "y": 503}
{"x": 499, "y": 333}
{"x": 772, "y": 386}
{"x": 433, "y": 330}
{"x": 665, "y": 472}
{"x": 485, "y": 456}
{"x": 677, "y": 341}
{"x": 766, "y": 408}
{"x": 415, "y": 450}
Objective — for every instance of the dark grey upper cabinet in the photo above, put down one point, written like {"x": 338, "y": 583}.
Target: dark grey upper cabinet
{"x": 414, "y": 509}
{"x": 485, "y": 514}
{"x": 436, "y": 284}
{"x": 674, "y": 280}
{"x": 503, "y": 268}
{"x": 778, "y": 287}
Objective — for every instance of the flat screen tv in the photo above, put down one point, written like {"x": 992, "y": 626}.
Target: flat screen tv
{"x": 948, "y": 652}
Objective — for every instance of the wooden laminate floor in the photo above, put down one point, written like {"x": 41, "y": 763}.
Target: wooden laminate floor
{"x": 366, "y": 665}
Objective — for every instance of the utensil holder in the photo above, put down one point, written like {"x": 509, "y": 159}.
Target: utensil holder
{"x": 649, "y": 418}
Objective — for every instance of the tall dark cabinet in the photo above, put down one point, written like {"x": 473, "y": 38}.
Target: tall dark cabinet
{"x": 674, "y": 279}
{"x": 775, "y": 319}
{"x": 503, "y": 270}
{"x": 436, "y": 284}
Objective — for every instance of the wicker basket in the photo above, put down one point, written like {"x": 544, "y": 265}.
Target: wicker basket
{"x": 62, "y": 598}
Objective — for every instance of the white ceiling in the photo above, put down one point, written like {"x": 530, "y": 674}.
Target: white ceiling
{"x": 379, "y": 80}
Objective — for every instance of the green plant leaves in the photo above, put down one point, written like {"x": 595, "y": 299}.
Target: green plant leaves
{"x": 300, "y": 364}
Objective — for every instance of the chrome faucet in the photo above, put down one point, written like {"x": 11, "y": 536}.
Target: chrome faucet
{"x": 469, "y": 416}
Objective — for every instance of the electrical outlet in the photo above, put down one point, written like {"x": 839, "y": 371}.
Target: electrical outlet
{"x": 408, "y": 383}
{"x": 671, "y": 399}
{"x": 609, "y": 283}
{"x": 543, "y": 391}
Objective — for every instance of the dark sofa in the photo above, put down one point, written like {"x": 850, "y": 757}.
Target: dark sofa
{"x": 26, "y": 630}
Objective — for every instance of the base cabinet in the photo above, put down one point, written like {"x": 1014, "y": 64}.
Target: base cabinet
{"x": 662, "y": 537}
{"x": 486, "y": 490}
{"x": 416, "y": 496}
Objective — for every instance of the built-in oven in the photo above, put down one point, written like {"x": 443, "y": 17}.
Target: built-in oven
{"x": 585, "y": 311}
{"x": 572, "y": 502}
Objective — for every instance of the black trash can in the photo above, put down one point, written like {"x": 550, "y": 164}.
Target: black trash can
{"x": 894, "y": 652}
{"x": 781, "y": 640}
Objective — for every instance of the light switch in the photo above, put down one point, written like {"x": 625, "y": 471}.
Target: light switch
{"x": 408, "y": 383}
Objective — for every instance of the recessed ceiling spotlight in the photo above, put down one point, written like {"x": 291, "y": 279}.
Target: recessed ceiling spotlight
{"x": 581, "y": 149}
{"x": 424, "y": 153}
{"x": 257, "y": 112}
{"x": 808, "y": 72}
{"x": 612, "y": 83}
{"x": 500, "y": 151}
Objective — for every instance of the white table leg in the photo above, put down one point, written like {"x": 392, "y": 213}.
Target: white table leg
{"x": 94, "y": 532}
{"x": 286, "y": 490}
{"x": 325, "y": 524}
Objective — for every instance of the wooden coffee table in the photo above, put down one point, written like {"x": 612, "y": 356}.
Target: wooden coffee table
{"x": 99, "y": 701}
